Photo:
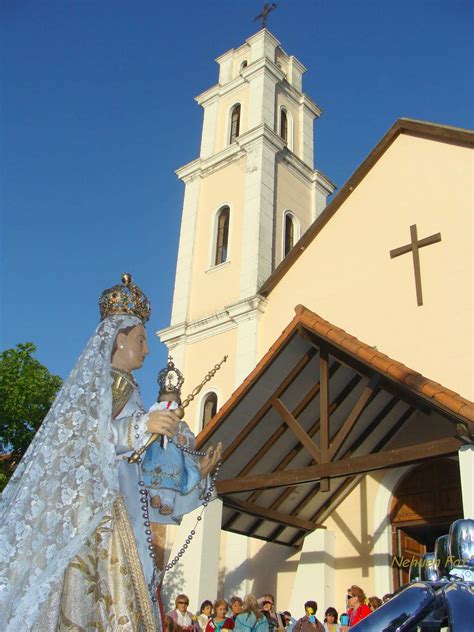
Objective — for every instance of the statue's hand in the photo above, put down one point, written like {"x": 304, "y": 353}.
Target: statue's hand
{"x": 208, "y": 462}
{"x": 163, "y": 422}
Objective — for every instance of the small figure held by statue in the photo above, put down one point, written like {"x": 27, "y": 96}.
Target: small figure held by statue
{"x": 169, "y": 467}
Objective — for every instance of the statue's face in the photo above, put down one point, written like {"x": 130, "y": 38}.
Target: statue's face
{"x": 131, "y": 349}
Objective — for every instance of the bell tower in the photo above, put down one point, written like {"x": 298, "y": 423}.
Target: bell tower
{"x": 249, "y": 196}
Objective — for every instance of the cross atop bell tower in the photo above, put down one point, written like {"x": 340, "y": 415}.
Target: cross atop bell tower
{"x": 268, "y": 7}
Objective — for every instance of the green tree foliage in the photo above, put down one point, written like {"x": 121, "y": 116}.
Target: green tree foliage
{"x": 27, "y": 390}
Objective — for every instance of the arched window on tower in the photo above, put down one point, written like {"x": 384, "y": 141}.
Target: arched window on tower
{"x": 243, "y": 65}
{"x": 289, "y": 236}
{"x": 234, "y": 123}
{"x": 284, "y": 125}
{"x": 222, "y": 237}
{"x": 209, "y": 408}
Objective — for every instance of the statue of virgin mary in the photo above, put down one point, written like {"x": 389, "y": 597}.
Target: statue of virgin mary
{"x": 76, "y": 551}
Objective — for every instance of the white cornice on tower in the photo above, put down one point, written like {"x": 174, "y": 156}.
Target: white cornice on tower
{"x": 229, "y": 318}
{"x": 220, "y": 90}
{"x": 311, "y": 105}
{"x": 236, "y": 150}
{"x": 203, "y": 167}
{"x": 210, "y": 95}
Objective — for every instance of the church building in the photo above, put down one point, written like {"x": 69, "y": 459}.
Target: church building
{"x": 344, "y": 407}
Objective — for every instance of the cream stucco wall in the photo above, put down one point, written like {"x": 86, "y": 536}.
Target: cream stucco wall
{"x": 248, "y": 565}
{"x": 294, "y": 110}
{"x": 200, "y": 357}
{"x": 213, "y": 287}
{"x": 225, "y": 107}
{"x": 281, "y": 60}
{"x": 346, "y": 275}
{"x": 354, "y": 555}
{"x": 241, "y": 54}
{"x": 295, "y": 195}
{"x": 357, "y": 524}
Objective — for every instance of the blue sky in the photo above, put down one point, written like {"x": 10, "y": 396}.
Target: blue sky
{"x": 97, "y": 111}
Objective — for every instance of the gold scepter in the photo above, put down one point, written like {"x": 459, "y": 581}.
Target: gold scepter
{"x": 179, "y": 412}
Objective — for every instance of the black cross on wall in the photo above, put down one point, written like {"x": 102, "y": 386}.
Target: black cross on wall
{"x": 414, "y": 247}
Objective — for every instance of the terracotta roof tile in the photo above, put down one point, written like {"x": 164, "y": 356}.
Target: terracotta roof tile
{"x": 366, "y": 353}
{"x": 336, "y": 335}
{"x": 394, "y": 369}
{"x": 414, "y": 381}
{"x": 352, "y": 344}
{"x": 467, "y": 411}
{"x": 398, "y": 371}
{"x": 448, "y": 400}
{"x": 430, "y": 389}
{"x": 381, "y": 362}
{"x": 323, "y": 328}
{"x": 461, "y": 404}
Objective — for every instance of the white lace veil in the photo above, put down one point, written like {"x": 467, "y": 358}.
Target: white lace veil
{"x": 62, "y": 487}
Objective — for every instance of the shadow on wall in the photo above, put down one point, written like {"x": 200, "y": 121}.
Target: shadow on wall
{"x": 260, "y": 572}
{"x": 363, "y": 545}
{"x": 172, "y": 586}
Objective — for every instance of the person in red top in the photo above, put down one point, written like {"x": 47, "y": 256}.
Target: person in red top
{"x": 220, "y": 621}
{"x": 357, "y": 608}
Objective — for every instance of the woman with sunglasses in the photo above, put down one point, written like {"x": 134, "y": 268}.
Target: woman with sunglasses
{"x": 181, "y": 616}
{"x": 357, "y": 609}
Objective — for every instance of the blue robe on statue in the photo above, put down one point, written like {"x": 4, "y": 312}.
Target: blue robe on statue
{"x": 172, "y": 474}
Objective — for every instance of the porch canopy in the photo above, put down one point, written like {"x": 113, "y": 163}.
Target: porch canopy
{"x": 320, "y": 410}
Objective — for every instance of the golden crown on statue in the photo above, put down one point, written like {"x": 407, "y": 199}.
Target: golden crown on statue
{"x": 127, "y": 298}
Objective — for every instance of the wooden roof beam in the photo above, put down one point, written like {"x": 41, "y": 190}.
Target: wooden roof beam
{"x": 364, "y": 400}
{"x": 349, "y": 483}
{"x": 297, "y": 429}
{"x": 298, "y": 507}
{"x": 338, "y": 400}
{"x": 273, "y": 516}
{"x": 335, "y": 499}
{"x": 345, "y": 467}
{"x": 354, "y": 363}
{"x": 324, "y": 413}
{"x": 347, "y": 486}
{"x": 312, "y": 393}
{"x": 292, "y": 375}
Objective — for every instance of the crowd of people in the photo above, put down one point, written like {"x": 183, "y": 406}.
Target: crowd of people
{"x": 260, "y": 615}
